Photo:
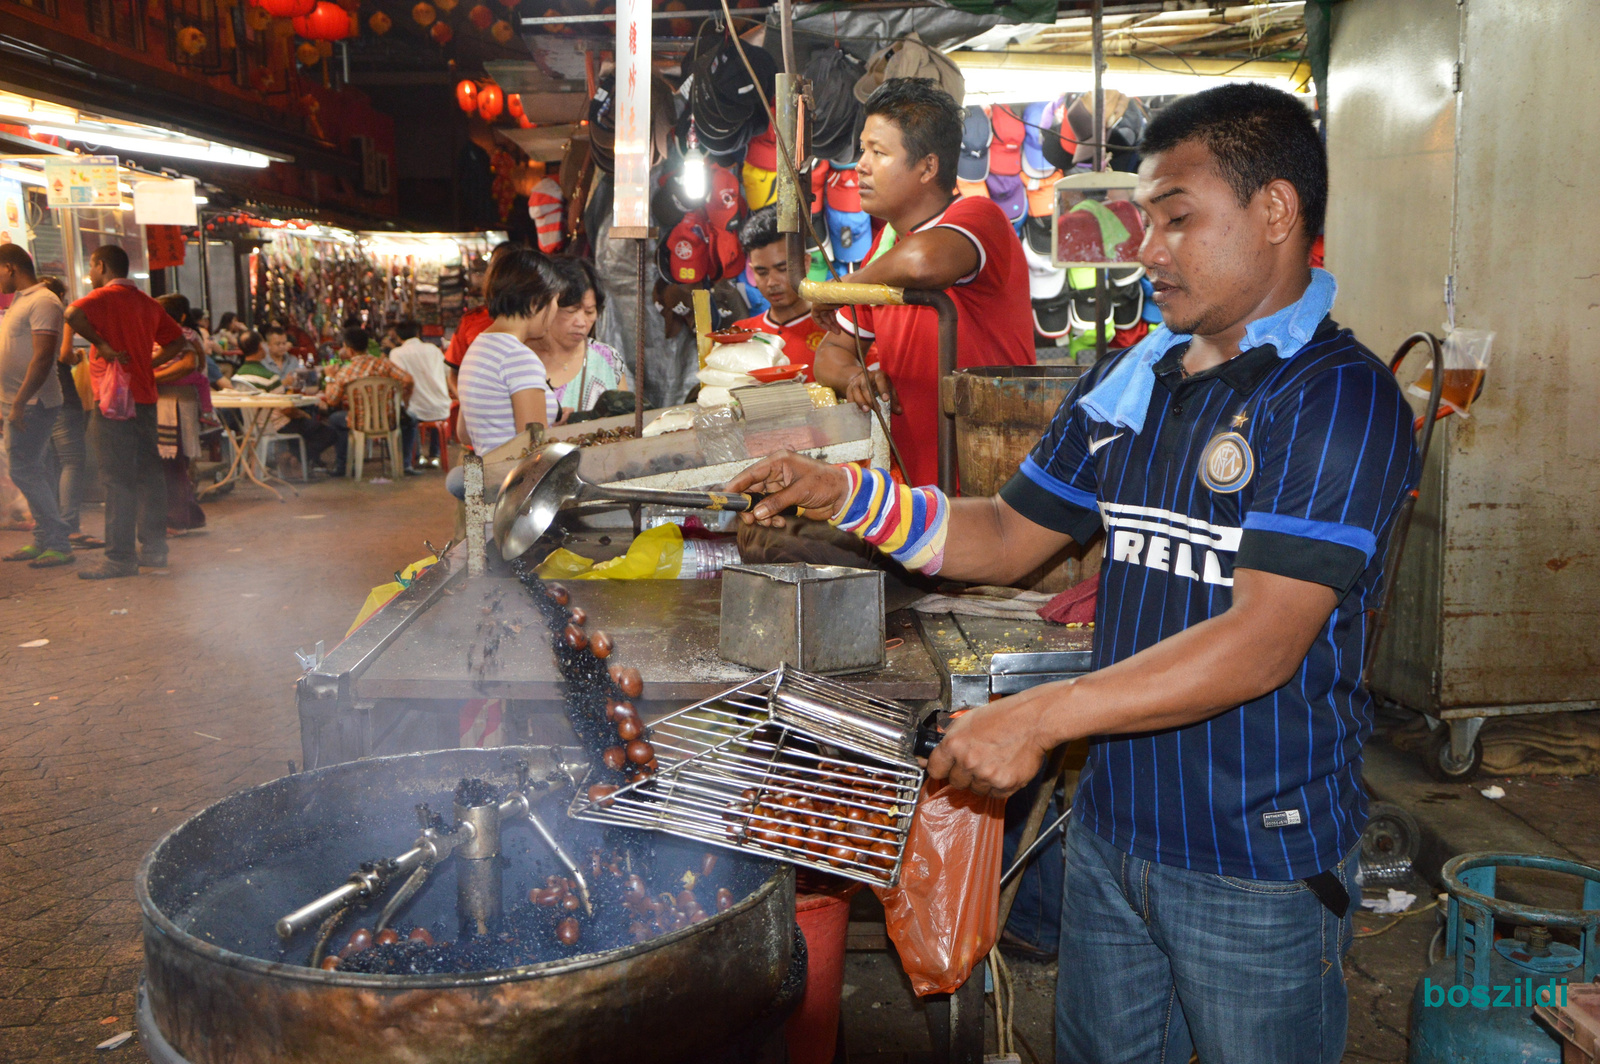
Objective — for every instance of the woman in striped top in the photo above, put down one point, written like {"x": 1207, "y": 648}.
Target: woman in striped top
{"x": 579, "y": 368}
{"x": 502, "y": 385}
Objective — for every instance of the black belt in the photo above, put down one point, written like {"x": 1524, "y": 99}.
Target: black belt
{"x": 1329, "y": 890}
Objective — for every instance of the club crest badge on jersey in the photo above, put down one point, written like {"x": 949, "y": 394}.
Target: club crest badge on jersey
{"x": 1227, "y": 463}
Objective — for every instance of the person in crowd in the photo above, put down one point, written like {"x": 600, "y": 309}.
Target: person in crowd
{"x": 788, "y": 316}
{"x": 69, "y": 444}
{"x": 276, "y": 356}
{"x": 229, "y": 329}
{"x": 477, "y": 319}
{"x": 178, "y": 421}
{"x": 578, "y": 369}
{"x": 502, "y": 385}
{"x": 30, "y": 399}
{"x": 356, "y": 363}
{"x": 434, "y": 391}
{"x": 124, "y": 326}
{"x": 966, "y": 247}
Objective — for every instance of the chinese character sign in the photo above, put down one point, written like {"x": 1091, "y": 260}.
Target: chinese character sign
{"x": 631, "y": 207}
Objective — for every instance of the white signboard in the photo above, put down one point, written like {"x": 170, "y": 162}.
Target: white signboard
{"x": 631, "y": 205}
{"x": 82, "y": 181}
{"x": 13, "y": 214}
{"x": 165, "y": 202}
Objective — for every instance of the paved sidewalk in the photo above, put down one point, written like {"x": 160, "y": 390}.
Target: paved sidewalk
{"x": 155, "y": 697}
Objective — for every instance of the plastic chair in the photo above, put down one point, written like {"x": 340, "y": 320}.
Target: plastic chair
{"x": 373, "y": 410}
{"x": 264, "y": 447}
{"x": 441, "y": 431}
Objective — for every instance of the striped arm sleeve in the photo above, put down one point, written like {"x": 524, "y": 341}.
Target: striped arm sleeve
{"x": 1337, "y": 462}
{"x": 908, "y": 524}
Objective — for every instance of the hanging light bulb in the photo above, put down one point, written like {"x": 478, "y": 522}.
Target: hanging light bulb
{"x": 694, "y": 177}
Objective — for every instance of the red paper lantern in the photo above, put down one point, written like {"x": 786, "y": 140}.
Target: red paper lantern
{"x": 423, "y": 14}
{"x": 467, "y": 95}
{"x": 327, "y": 22}
{"x": 490, "y": 102}
{"x": 502, "y": 32}
{"x": 481, "y": 17}
{"x": 442, "y": 33}
{"x": 514, "y": 104}
{"x": 287, "y": 8}
{"x": 380, "y": 23}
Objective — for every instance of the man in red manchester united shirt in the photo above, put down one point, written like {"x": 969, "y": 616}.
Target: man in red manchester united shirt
{"x": 789, "y": 316}
{"x": 126, "y": 326}
{"x": 907, "y": 172}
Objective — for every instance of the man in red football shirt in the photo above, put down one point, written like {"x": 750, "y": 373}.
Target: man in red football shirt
{"x": 909, "y": 147}
{"x": 126, "y": 326}
{"x": 789, "y": 316}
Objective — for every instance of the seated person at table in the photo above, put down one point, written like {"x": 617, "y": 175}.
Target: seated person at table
{"x": 578, "y": 368}
{"x": 256, "y": 371}
{"x": 431, "y": 399}
{"x": 502, "y": 385}
{"x": 789, "y": 316}
{"x": 357, "y": 363}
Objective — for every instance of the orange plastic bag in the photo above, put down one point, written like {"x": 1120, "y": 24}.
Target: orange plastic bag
{"x": 944, "y": 915}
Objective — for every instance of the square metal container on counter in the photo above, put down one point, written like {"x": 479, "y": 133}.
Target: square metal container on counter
{"x": 822, "y": 619}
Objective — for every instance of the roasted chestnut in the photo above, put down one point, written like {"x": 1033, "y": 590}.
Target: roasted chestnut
{"x": 575, "y": 638}
{"x": 615, "y": 757}
{"x": 640, "y": 751}
{"x": 634, "y": 884}
{"x": 600, "y": 643}
{"x": 639, "y": 931}
{"x": 567, "y": 932}
{"x": 558, "y": 594}
{"x": 330, "y": 963}
{"x": 360, "y": 939}
{"x": 708, "y": 863}
{"x": 576, "y": 616}
{"x": 420, "y": 934}
{"x": 630, "y": 681}
{"x": 629, "y": 728}
{"x": 687, "y": 901}
{"x": 387, "y": 937}
{"x": 599, "y": 792}
{"x": 724, "y": 899}
{"x": 571, "y": 903}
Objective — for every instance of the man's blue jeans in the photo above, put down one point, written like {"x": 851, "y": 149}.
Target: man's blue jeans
{"x": 28, "y": 451}
{"x": 1158, "y": 962}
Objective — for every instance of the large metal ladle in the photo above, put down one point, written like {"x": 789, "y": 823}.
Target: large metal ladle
{"x": 547, "y": 480}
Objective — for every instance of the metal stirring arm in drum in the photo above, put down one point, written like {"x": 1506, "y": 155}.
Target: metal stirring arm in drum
{"x": 475, "y": 834}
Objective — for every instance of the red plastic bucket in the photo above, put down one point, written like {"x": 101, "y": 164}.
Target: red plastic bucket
{"x": 813, "y": 1029}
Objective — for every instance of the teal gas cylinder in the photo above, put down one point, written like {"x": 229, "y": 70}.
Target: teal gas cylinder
{"x": 1476, "y": 1005}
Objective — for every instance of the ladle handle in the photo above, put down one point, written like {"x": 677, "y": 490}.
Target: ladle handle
{"x": 735, "y": 501}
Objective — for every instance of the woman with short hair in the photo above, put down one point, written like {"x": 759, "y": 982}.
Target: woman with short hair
{"x": 503, "y": 385}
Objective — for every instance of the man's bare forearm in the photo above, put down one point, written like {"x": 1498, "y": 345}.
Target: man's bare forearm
{"x": 836, "y": 361}
{"x": 39, "y": 368}
{"x": 84, "y": 327}
{"x": 990, "y": 543}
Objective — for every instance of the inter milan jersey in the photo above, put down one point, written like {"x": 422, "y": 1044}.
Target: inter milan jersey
{"x": 1294, "y": 466}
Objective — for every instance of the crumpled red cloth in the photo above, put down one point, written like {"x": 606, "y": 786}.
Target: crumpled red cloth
{"x": 1075, "y": 605}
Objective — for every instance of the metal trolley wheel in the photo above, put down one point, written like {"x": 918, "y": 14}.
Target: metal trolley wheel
{"x": 1389, "y": 844}
{"x": 1444, "y": 758}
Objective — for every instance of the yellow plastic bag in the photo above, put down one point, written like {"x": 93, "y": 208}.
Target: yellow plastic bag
{"x": 656, "y": 554}
{"x": 379, "y": 596}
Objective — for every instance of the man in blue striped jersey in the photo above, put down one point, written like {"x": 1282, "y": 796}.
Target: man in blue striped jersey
{"x": 1246, "y": 462}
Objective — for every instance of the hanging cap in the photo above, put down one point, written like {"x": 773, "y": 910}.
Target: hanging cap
{"x": 1007, "y": 192}
{"x": 973, "y": 162}
{"x": 723, "y": 199}
{"x": 909, "y": 57}
{"x": 1034, "y": 119}
{"x": 1041, "y": 193}
{"x": 1005, "y": 147}
{"x": 689, "y": 257}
